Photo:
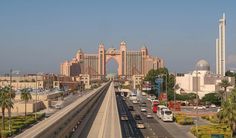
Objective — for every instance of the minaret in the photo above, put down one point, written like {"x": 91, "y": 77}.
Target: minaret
{"x": 220, "y": 48}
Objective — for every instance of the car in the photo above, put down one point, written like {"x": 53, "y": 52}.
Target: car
{"x": 213, "y": 106}
{"x": 123, "y": 117}
{"x": 199, "y": 107}
{"x": 131, "y": 108}
{"x": 134, "y": 101}
{"x": 140, "y": 125}
{"x": 58, "y": 106}
{"x": 143, "y": 109}
{"x": 143, "y": 105}
{"x": 144, "y": 94}
{"x": 137, "y": 117}
{"x": 149, "y": 115}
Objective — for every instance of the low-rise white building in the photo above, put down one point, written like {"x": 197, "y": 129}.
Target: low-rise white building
{"x": 201, "y": 80}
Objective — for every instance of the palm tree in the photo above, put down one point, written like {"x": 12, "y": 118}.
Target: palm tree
{"x": 224, "y": 84}
{"x": 5, "y": 103}
{"x": 26, "y": 96}
{"x": 228, "y": 113}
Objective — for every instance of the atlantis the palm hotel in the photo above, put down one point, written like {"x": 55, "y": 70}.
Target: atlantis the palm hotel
{"x": 132, "y": 65}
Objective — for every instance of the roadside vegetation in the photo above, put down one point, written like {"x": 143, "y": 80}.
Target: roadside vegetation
{"x": 183, "y": 119}
{"x": 19, "y": 123}
{"x": 16, "y": 123}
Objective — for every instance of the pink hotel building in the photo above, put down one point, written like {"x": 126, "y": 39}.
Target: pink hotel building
{"x": 129, "y": 62}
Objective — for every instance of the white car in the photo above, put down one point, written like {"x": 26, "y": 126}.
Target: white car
{"x": 149, "y": 115}
{"x": 213, "y": 106}
{"x": 199, "y": 107}
{"x": 140, "y": 125}
{"x": 144, "y": 94}
{"x": 143, "y": 109}
{"x": 135, "y": 101}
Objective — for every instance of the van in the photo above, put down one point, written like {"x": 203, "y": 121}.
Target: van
{"x": 159, "y": 109}
{"x": 167, "y": 115}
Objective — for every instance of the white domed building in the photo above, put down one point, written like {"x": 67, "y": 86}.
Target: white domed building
{"x": 201, "y": 80}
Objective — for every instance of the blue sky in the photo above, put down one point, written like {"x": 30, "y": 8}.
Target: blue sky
{"x": 36, "y": 36}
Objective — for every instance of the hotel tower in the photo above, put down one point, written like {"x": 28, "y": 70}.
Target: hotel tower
{"x": 220, "y": 48}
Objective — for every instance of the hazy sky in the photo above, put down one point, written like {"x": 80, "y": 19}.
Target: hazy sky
{"x": 36, "y": 36}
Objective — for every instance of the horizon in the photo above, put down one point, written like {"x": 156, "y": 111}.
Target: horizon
{"x": 52, "y": 32}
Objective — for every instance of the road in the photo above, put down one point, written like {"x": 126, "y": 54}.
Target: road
{"x": 153, "y": 128}
{"x": 128, "y": 127}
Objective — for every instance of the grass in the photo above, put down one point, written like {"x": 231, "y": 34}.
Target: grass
{"x": 208, "y": 130}
{"x": 18, "y": 123}
{"x": 183, "y": 119}
{"x": 212, "y": 118}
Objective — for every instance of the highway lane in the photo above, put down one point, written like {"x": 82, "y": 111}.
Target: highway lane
{"x": 128, "y": 127}
{"x": 153, "y": 128}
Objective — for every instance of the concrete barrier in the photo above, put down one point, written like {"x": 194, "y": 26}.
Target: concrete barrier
{"x": 107, "y": 122}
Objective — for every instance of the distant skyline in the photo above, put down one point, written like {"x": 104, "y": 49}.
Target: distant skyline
{"x": 36, "y": 36}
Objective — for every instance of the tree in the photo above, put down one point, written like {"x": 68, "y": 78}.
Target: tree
{"x": 5, "y": 103}
{"x": 228, "y": 112}
{"x": 231, "y": 74}
{"x": 212, "y": 98}
{"x": 152, "y": 74}
{"x": 224, "y": 84}
{"x": 26, "y": 96}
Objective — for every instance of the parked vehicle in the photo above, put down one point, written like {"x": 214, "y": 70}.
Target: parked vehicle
{"x": 213, "y": 106}
{"x": 140, "y": 125}
{"x": 199, "y": 107}
{"x": 167, "y": 115}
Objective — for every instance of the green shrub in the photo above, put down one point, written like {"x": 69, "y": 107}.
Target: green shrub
{"x": 183, "y": 119}
{"x": 5, "y": 133}
{"x": 208, "y": 130}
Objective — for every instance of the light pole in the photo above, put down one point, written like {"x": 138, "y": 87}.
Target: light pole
{"x": 9, "y": 125}
{"x": 161, "y": 75}
{"x": 36, "y": 93}
{"x": 11, "y": 72}
{"x": 197, "y": 101}
{"x": 176, "y": 87}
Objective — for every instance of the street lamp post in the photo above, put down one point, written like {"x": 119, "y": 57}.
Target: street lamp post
{"x": 197, "y": 101}
{"x": 9, "y": 125}
{"x": 36, "y": 93}
{"x": 176, "y": 87}
{"x": 161, "y": 75}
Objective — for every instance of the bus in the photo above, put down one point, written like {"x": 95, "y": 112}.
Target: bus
{"x": 159, "y": 109}
{"x": 154, "y": 106}
{"x": 167, "y": 115}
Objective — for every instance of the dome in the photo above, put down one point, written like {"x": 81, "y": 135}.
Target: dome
{"x": 80, "y": 51}
{"x": 203, "y": 65}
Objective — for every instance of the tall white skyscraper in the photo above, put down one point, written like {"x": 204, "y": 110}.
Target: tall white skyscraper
{"x": 220, "y": 48}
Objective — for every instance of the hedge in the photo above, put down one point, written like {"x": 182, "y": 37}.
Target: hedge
{"x": 208, "y": 130}
{"x": 183, "y": 119}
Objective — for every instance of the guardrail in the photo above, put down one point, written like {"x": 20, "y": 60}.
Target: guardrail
{"x": 63, "y": 122}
